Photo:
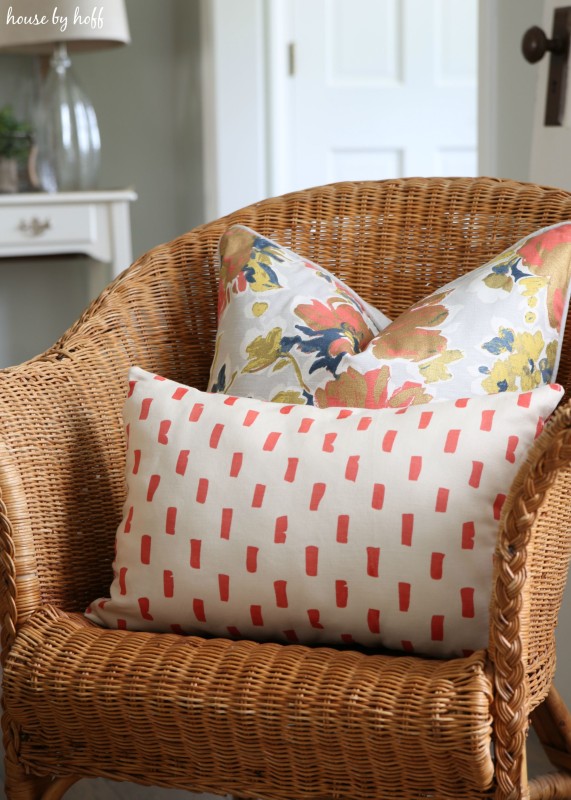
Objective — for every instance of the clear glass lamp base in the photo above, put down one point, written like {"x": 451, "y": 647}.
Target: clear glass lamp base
{"x": 67, "y": 134}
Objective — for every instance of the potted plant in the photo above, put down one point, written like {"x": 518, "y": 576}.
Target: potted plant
{"x": 15, "y": 147}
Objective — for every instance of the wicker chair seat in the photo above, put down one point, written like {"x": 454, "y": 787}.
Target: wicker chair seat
{"x": 216, "y": 715}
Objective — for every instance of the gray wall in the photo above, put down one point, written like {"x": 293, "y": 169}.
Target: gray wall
{"x": 515, "y": 87}
{"x": 147, "y": 99}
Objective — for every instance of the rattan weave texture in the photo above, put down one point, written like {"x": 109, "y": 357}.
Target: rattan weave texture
{"x": 222, "y": 716}
{"x": 262, "y": 720}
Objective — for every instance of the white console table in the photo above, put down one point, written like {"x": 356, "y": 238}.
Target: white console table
{"x": 96, "y": 224}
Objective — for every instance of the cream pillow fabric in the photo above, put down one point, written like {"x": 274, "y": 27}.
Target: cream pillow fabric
{"x": 284, "y": 522}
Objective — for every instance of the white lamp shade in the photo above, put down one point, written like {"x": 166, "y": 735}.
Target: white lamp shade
{"x": 34, "y": 26}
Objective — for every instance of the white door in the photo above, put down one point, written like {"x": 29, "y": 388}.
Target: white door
{"x": 378, "y": 89}
{"x": 551, "y": 145}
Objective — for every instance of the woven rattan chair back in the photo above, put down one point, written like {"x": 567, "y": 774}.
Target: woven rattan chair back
{"x": 74, "y": 694}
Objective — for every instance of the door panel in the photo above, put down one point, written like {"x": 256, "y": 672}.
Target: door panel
{"x": 356, "y": 164}
{"x": 359, "y": 54}
{"x": 382, "y": 88}
{"x": 455, "y": 43}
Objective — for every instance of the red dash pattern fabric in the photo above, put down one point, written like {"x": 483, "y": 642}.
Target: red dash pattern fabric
{"x": 254, "y": 519}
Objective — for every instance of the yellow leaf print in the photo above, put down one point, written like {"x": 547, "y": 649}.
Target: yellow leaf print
{"x": 280, "y": 364}
{"x": 289, "y": 396}
{"x": 259, "y": 308}
{"x": 263, "y": 351}
{"x": 551, "y": 353}
{"x": 436, "y": 370}
{"x": 522, "y": 370}
{"x": 259, "y": 273}
{"x": 497, "y": 280}
{"x": 501, "y": 378}
{"x": 532, "y": 285}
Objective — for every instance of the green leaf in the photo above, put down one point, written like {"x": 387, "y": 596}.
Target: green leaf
{"x": 289, "y": 396}
{"x": 499, "y": 281}
{"x": 263, "y": 351}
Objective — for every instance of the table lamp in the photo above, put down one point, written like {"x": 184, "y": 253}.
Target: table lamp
{"x": 66, "y": 130}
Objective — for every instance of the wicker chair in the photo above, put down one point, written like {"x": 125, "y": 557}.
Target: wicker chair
{"x": 266, "y": 720}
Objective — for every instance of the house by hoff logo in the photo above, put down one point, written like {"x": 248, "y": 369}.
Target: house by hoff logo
{"x": 94, "y": 20}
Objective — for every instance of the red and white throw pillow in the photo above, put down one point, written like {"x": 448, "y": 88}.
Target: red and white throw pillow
{"x": 262, "y": 520}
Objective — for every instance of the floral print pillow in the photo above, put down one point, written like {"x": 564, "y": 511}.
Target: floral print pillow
{"x": 284, "y": 322}
{"x": 496, "y": 329}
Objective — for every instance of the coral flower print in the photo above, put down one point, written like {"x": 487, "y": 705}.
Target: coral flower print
{"x": 547, "y": 255}
{"x": 536, "y": 247}
{"x": 236, "y": 251}
{"x": 415, "y": 335}
{"x": 353, "y": 389}
{"x": 339, "y": 316}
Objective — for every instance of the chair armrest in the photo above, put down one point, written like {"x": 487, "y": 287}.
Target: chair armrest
{"x": 62, "y": 448}
{"x": 531, "y": 565}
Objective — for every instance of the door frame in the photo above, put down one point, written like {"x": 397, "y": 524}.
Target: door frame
{"x": 234, "y": 125}
{"x": 488, "y": 48}
{"x": 246, "y": 99}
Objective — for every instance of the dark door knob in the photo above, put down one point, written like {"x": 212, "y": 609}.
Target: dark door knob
{"x": 535, "y": 44}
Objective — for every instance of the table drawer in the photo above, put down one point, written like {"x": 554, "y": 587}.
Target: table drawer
{"x": 41, "y": 225}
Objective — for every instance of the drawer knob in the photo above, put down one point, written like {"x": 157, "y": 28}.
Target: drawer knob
{"x": 35, "y": 227}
